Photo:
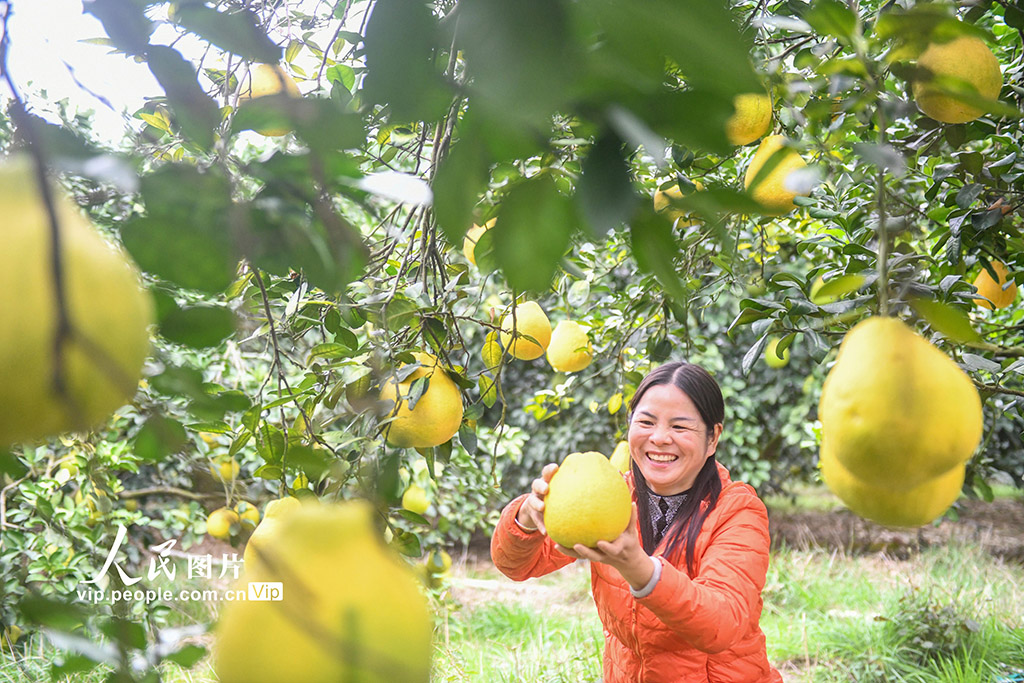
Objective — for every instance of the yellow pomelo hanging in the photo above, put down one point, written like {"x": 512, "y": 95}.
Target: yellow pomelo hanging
{"x": 532, "y": 331}
{"x": 663, "y": 203}
{"x": 269, "y": 79}
{"x": 262, "y": 538}
{"x": 350, "y": 611}
{"x": 588, "y": 501}
{"x": 896, "y": 411}
{"x": 108, "y": 311}
{"x": 916, "y": 506}
{"x": 570, "y": 349}
{"x": 437, "y": 414}
{"x": 472, "y": 237}
{"x": 965, "y": 59}
{"x": 415, "y": 499}
{"x": 218, "y": 523}
{"x": 771, "y": 354}
{"x": 773, "y": 191}
{"x": 994, "y": 291}
{"x": 751, "y": 120}
{"x": 621, "y": 459}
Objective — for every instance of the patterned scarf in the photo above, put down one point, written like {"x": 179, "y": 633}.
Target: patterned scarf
{"x": 663, "y": 510}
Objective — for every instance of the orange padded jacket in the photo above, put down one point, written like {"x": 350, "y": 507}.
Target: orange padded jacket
{"x": 700, "y": 628}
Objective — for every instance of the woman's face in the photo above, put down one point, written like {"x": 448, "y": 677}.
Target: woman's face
{"x": 668, "y": 440}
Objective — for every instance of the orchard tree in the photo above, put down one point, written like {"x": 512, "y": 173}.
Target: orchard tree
{"x": 358, "y": 222}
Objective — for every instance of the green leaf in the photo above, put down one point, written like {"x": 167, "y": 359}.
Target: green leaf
{"x": 838, "y": 287}
{"x": 327, "y": 350}
{"x": 52, "y": 613}
{"x": 520, "y": 57}
{"x": 159, "y": 437}
{"x": 187, "y": 657}
{"x": 605, "y": 189}
{"x": 125, "y": 23}
{"x": 199, "y": 326}
{"x": 401, "y": 44}
{"x": 467, "y": 437}
{"x": 236, "y": 32}
{"x": 949, "y": 321}
{"x": 459, "y": 183}
{"x": 11, "y": 465}
{"x": 534, "y": 226}
{"x": 695, "y": 117}
{"x": 655, "y": 251}
{"x": 196, "y": 112}
{"x": 270, "y": 443}
{"x": 832, "y": 18}
{"x": 753, "y": 353}
{"x": 188, "y": 254}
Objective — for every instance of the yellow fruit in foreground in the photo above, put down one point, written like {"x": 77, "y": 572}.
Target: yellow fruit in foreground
{"x": 966, "y": 59}
{"x": 224, "y": 470}
{"x": 621, "y": 459}
{"x": 664, "y": 200}
{"x": 532, "y": 331}
{"x": 569, "y": 349}
{"x": 218, "y": 523}
{"x": 248, "y": 514}
{"x": 588, "y": 501}
{"x": 771, "y": 354}
{"x": 994, "y": 291}
{"x": 751, "y": 120}
{"x": 262, "y": 538}
{"x": 774, "y": 192}
{"x": 471, "y": 238}
{"x": 895, "y": 411}
{"x": 269, "y": 79}
{"x": 914, "y": 507}
{"x": 108, "y": 310}
{"x": 349, "y": 609}
{"x": 437, "y": 414}
{"x": 415, "y": 499}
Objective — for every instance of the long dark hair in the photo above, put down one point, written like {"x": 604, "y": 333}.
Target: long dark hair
{"x": 703, "y": 390}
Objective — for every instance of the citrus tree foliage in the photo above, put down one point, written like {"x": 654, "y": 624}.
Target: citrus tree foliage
{"x": 295, "y": 271}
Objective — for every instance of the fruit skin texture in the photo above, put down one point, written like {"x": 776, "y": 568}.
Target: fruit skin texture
{"x": 621, "y": 459}
{"x": 415, "y": 499}
{"x": 570, "y": 349}
{"x": 588, "y": 501}
{"x": 470, "y": 240}
{"x": 530, "y": 320}
{"x": 262, "y": 537}
{"x": 965, "y": 58}
{"x": 218, "y": 523}
{"x": 437, "y": 415}
{"x": 914, "y": 507}
{"x": 771, "y": 356}
{"x": 771, "y": 191}
{"x": 751, "y": 120}
{"x": 350, "y": 611}
{"x": 992, "y": 290}
{"x": 104, "y": 299}
{"x": 895, "y": 411}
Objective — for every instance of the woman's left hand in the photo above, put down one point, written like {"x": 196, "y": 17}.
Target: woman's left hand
{"x": 625, "y": 554}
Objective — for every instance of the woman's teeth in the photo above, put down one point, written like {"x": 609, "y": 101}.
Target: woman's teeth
{"x": 659, "y": 457}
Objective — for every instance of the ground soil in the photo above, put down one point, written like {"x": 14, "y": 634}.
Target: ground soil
{"x": 998, "y": 527}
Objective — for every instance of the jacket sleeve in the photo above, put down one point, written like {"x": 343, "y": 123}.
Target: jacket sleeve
{"x": 520, "y": 555}
{"x": 713, "y": 610}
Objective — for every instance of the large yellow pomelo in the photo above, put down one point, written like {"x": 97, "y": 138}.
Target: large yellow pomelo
{"x": 588, "y": 501}
{"x": 621, "y": 459}
{"x": 350, "y": 611}
{"x": 108, "y": 311}
{"x": 896, "y": 411}
{"x": 262, "y": 538}
{"x": 914, "y": 507}
{"x": 966, "y": 59}
{"x": 532, "y": 331}
{"x": 994, "y": 291}
{"x": 269, "y": 79}
{"x": 570, "y": 349}
{"x": 773, "y": 191}
{"x": 472, "y": 237}
{"x": 435, "y": 417}
{"x": 664, "y": 203}
{"x": 751, "y": 119}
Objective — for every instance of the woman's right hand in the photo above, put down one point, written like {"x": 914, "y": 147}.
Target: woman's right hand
{"x": 531, "y": 512}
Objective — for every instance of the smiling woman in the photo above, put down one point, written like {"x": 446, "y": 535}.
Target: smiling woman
{"x": 679, "y": 592}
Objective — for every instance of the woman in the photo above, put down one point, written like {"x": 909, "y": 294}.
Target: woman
{"x": 679, "y": 592}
